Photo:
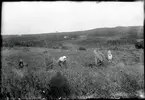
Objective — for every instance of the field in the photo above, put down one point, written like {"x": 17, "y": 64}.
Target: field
{"x": 80, "y": 78}
{"x": 123, "y": 76}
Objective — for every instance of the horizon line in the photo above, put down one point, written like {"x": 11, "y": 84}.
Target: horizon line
{"x": 70, "y": 31}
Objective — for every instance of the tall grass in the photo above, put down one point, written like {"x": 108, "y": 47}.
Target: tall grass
{"x": 78, "y": 79}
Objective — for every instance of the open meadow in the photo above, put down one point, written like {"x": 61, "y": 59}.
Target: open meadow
{"x": 72, "y": 50}
{"x": 123, "y": 77}
{"x": 80, "y": 77}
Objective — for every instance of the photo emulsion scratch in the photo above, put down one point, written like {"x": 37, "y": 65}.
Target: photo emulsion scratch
{"x": 72, "y": 50}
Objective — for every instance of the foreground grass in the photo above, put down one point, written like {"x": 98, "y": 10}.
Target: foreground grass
{"x": 124, "y": 75}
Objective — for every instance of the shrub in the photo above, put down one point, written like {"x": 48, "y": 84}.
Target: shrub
{"x": 139, "y": 45}
{"x": 82, "y": 48}
{"x": 64, "y": 47}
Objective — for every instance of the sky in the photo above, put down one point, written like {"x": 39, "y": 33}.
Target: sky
{"x": 63, "y": 16}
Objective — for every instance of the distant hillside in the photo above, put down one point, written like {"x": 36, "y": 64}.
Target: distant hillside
{"x": 133, "y": 32}
{"x": 128, "y": 32}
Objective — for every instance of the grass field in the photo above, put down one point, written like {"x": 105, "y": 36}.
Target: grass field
{"x": 123, "y": 76}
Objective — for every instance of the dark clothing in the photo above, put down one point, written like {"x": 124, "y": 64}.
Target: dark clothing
{"x": 21, "y": 65}
{"x": 60, "y": 63}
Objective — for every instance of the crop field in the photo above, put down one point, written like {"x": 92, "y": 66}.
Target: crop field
{"x": 80, "y": 78}
{"x": 70, "y": 50}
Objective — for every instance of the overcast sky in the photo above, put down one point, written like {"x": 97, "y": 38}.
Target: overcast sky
{"x": 45, "y": 17}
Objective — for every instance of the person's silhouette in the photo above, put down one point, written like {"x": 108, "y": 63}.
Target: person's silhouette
{"x": 21, "y": 64}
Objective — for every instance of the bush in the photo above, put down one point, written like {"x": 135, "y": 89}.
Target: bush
{"x": 64, "y": 47}
{"x": 139, "y": 45}
{"x": 82, "y": 48}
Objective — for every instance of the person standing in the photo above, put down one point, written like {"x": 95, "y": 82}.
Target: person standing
{"x": 109, "y": 56}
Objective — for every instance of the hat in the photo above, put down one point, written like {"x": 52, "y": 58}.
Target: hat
{"x": 64, "y": 56}
{"x": 109, "y": 52}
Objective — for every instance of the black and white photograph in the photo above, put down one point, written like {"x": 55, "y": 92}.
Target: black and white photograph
{"x": 72, "y": 50}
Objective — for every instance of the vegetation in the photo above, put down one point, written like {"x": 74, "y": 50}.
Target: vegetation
{"x": 126, "y": 35}
{"x": 82, "y": 48}
{"x": 81, "y": 78}
{"x": 125, "y": 74}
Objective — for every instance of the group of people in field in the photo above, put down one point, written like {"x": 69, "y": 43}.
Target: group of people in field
{"x": 99, "y": 59}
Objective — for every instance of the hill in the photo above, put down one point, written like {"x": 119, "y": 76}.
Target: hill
{"x": 89, "y": 36}
{"x": 80, "y": 78}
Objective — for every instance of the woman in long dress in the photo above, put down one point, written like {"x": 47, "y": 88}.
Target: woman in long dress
{"x": 109, "y": 56}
